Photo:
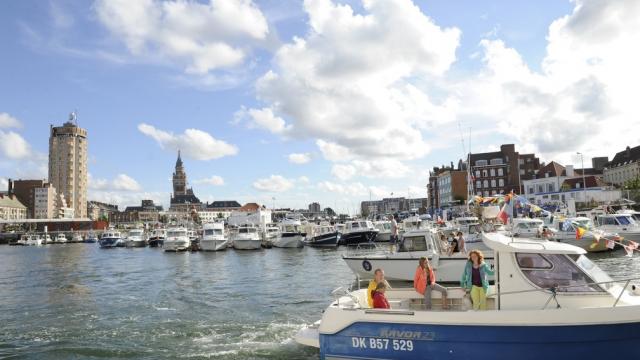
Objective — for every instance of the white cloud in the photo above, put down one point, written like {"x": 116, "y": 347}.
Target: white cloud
{"x": 333, "y": 152}
{"x": 263, "y": 119}
{"x": 197, "y": 36}
{"x": 214, "y": 180}
{"x": 299, "y": 158}
{"x": 13, "y": 146}
{"x": 343, "y": 171}
{"x": 376, "y": 168}
{"x": 349, "y": 189}
{"x": 4, "y": 184}
{"x": 194, "y": 143}
{"x": 349, "y": 82}
{"x": 274, "y": 183}
{"x": 126, "y": 198}
{"x": 122, "y": 182}
{"x": 303, "y": 180}
{"x": 8, "y": 121}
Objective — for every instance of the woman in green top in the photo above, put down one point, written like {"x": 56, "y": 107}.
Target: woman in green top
{"x": 474, "y": 279}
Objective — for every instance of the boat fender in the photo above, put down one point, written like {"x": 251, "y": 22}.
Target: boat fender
{"x": 635, "y": 289}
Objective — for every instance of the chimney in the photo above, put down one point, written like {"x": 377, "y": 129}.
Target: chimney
{"x": 628, "y": 152}
{"x": 10, "y": 187}
{"x": 569, "y": 170}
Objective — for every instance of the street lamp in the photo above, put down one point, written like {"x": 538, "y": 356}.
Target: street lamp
{"x": 584, "y": 183}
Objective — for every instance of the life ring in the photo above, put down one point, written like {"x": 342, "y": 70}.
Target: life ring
{"x": 366, "y": 265}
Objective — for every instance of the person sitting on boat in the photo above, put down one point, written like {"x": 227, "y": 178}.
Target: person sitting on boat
{"x": 378, "y": 277}
{"x": 379, "y": 299}
{"x": 444, "y": 243}
{"x": 474, "y": 279}
{"x": 424, "y": 281}
{"x": 453, "y": 247}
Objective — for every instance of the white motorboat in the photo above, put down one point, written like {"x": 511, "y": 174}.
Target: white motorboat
{"x": 213, "y": 237}
{"x": 46, "y": 239}
{"x": 323, "y": 235}
{"x": 60, "y": 239}
{"x": 76, "y": 237}
{"x": 136, "y": 238}
{"x": 177, "y": 240}
{"x": 384, "y": 231}
{"x": 246, "y": 237}
{"x": 290, "y": 235}
{"x": 549, "y": 302}
{"x": 193, "y": 237}
{"x": 269, "y": 235}
{"x": 526, "y": 227}
{"x": 34, "y": 240}
{"x": 358, "y": 232}
{"x": 621, "y": 224}
{"x": 110, "y": 239}
{"x": 401, "y": 265}
{"x": 564, "y": 230}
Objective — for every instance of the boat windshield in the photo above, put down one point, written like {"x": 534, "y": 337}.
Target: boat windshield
{"x": 555, "y": 271}
{"x": 364, "y": 224}
{"x": 597, "y": 274}
{"x": 135, "y": 232}
{"x": 624, "y": 220}
{"x": 415, "y": 243}
{"x": 213, "y": 231}
{"x": 584, "y": 223}
{"x": 176, "y": 233}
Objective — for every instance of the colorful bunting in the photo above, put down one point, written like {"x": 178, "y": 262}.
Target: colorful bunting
{"x": 611, "y": 244}
{"x": 580, "y": 233}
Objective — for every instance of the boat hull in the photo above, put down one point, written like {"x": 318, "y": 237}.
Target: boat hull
{"x": 247, "y": 244}
{"x": 136, "y": 243}
{"x": 402, "y": 266}
{"x": 213, "y": 245}
{"x": 371, "y": 340}
{"x": 289, "y": 240}
{"x": 325, "y": 240}
{"x": 358, "y": 237}
{"x": 176, "y": 245}
{"x": 156, "y": 242}
{"x": 108, "y": 243}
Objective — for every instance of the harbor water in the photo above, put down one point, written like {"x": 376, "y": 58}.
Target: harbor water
{"x": 78, "y": 301}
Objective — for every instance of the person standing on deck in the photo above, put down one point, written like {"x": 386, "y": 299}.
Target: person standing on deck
{"x": 424, "y": 281}
{"x": 475, "y": 281}
{"x": 393, "y": 241}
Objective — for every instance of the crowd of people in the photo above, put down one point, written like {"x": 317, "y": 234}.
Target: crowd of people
{"x": 474, "y": 281}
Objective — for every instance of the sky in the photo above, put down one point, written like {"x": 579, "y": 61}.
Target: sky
{"x": 286, "y": 102}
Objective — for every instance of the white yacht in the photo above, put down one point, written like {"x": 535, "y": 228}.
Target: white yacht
{"x": 246, "y": 237}
{"x": 136, "y": 238}
{"x": 401, "y": 265}
{"x": 46, "y": 239}
{"x": 564, "y": 230}
{"x": 526, "y": 227}
{"x": 269, "y": 235}
{"x": 110, "y": 239}
{"x": 384, "y": 230}
{"x": 290, "y": 235}
{"x": 76, "y": 238}
{"x": 34, "y": 240}
{"x": 549, "y": 302}
{"x": 621, "y": 224}
{"x": 213, "y": 237}
{"x": 60, "y": 239}
{"x": 177, "y": 240}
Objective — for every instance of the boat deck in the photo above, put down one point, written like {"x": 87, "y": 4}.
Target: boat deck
{"x": 407, "y": 299}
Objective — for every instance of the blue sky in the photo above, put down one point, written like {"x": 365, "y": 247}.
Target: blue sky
{"x": 498, "y": 68}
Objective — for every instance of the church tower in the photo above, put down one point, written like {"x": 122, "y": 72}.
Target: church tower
{"x": 179, "y": 178}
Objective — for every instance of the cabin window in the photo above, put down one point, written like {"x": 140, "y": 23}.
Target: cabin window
{"x": 415, "y": 243}
{"x": 354, "y": 225}
{"x": 555, "y": 270}
{"x": 623, "y": 220}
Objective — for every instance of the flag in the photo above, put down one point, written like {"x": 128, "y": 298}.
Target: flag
{"x": 629, "y": 250}
{"x": 580, "y": 233}
{"x": 502, "y": 215}
{"x": 633, "y": 245}
{"x": 611, "y": 244}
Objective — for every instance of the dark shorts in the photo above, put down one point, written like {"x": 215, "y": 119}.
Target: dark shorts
{"x": 393, "y": 239}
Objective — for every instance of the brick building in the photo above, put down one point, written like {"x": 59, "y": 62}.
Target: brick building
{"x": 502, "y": 171}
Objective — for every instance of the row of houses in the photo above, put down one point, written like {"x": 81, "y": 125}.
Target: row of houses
{"x": 506, "y": 170}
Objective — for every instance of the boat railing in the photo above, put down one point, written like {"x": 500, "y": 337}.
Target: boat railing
{"x": 559, "y": 289}
{"x": 369, "y": 248}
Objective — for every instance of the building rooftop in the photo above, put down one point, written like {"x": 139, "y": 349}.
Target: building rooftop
{"x": 185, "y": 199}
{"x": 626, "y": 156}
{"x": 224, "y": 204}
{"x": 11, "y": 201}
{"x": 553, "y": 169}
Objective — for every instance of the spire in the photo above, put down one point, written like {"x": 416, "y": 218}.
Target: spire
{"x": 179, "y": 161}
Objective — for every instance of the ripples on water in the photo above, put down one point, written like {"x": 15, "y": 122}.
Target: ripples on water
{"x": 78, "y": 301}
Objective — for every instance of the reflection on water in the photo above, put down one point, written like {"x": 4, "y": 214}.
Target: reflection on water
{"x": 76, "y": 300}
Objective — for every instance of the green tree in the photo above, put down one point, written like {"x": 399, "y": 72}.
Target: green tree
{"x": 633, "y": 184}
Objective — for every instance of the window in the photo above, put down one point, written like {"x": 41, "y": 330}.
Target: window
{"x": 520, "y": 161}
{"x": 623, "y": 220}
{"x": 531, "y": 190}
{"x": 496, "y": 162}
{"x": 481, "y": 162}
{"x": 501, "y": 182}
{"x": 493, "y": 172}
{"x": 522, "y": 172}
{"x": 486, "y": 183}
{"x": 484, "y": 173}
{"x": 555, "y": 270}
{"x": 415, "y": 243}
{"x": 478, "y": 184}
{"x": 477, "y": 173}
{"x": 500, "y": 172}
{"x": 493, "y": 183}
{"x": 540, "y": 188}
{"x": 486, "y": 193}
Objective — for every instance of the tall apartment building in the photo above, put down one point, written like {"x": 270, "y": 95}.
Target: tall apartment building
{"x": 50, "y": 204}
{"x": 452, "y": 187}
{"x": 502, "y": 171}
{"x": 433, "y": 187}
{"x": 68, "y": 164}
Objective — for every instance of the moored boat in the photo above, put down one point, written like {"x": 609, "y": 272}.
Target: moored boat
{"x": 177, "y": 240}
{"x": 357, "y": 232}
{"x": 246, "y": 237}
{"x": 552, "y": 303}
{"x": 60, "y": 239}
{"x": 157, "y": 237}
{"x": 213, "y": 237}
{"x": 323, "y": 235}
{"x": 91, "y": 238}
{"x": 290, "y": 234}
{"x": 110, "y": 239}
{"x": 136, "y": 238}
